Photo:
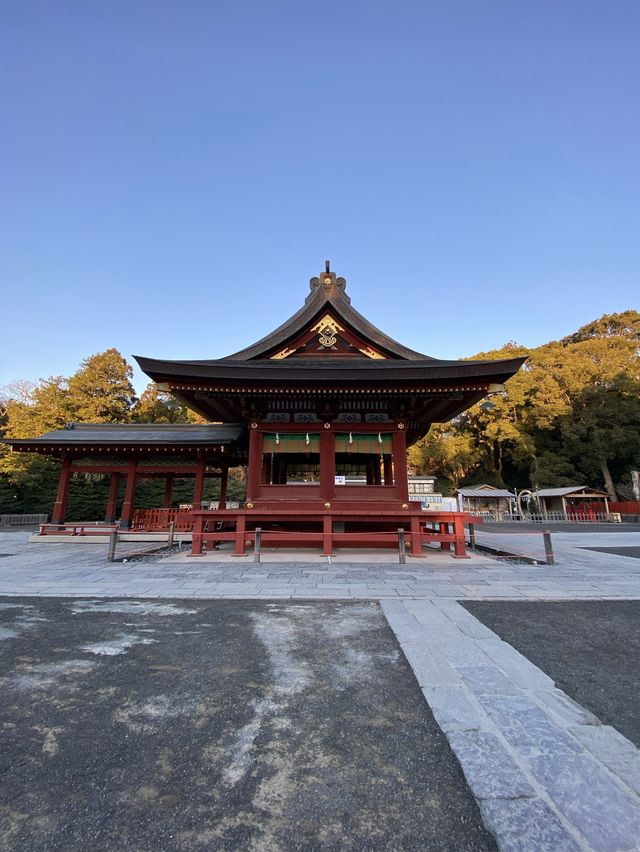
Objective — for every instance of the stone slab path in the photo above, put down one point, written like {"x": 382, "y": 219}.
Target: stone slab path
{"x": 546, "y": 773}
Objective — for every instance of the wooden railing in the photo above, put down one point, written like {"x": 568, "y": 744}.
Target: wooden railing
{"x": 443, "y": 528}
{"x": 159, "y": 519}
{"x": 90, "y": 528}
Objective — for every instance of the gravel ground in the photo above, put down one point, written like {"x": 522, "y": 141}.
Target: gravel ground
{"x": 590, "y": 648}
{"x": 219, "y": 725}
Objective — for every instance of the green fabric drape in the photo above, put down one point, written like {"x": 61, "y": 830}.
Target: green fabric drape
{"x": 288, "y": 443}
{"x": 368, "y": 443}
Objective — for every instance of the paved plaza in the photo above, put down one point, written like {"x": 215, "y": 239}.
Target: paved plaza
{"x": 546, "y": 773}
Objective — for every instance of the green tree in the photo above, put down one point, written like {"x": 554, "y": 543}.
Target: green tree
{"x": 447, "y": 453}
{"x": 156, "y": 406}
{"x": 101, "y": 390}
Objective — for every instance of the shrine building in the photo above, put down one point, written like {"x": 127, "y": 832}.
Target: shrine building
{"x": 321, "y": 411}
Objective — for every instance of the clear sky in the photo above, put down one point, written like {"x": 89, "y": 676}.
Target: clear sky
{"x": 173, "y": 173}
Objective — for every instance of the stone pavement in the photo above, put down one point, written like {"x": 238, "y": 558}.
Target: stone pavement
{"x": 547, "y": 774}
{"x": 82, "y": 569}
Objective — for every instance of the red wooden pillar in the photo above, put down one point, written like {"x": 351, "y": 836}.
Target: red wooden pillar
{"x": 400, "y": 465}
{"x": 112, "y": 500}
{"x": 388, "y": 470}
{"x": 327, "y": 465}
{"x": 196, "y": 537}
{"x": 443, "y": 526}
{"x": 416, "y": 544}
{"x": 59, "y": 512}
{"x": 240, "y": 534}
{"x": 327, "y": 530}
{"x": 168, "y": 489}
{"x": 128, "y": 505}
{"x": 224, "y": 479}
{"x": 254, "y": 467}
{"x": 199, "y": 483}
{"x": 459, "y": 544}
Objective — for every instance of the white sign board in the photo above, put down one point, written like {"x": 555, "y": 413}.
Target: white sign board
{"x": 341, "y": 480}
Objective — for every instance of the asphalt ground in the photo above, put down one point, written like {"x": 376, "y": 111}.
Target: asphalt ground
{"x": 590, "y": 648}
{"x": 219, "y": 725}
{"x": 634, "y": 552}
{"x": 523, "y": 527}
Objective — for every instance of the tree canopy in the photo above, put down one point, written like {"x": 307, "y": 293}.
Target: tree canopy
{"x": 571, "y": 416}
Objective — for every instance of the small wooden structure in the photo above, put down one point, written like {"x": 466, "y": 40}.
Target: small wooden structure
{"x": 573, "y": 500}
{"x": 485, "y": 500}
{"x": 322, "y": 410}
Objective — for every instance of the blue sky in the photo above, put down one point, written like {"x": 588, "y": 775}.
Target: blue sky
{"x": 172, "y": 174}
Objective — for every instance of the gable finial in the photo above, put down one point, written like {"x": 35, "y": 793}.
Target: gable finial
{"x": 328, "y": 280}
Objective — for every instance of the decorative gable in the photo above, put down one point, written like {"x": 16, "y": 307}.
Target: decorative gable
{"x": 328, "y": 336}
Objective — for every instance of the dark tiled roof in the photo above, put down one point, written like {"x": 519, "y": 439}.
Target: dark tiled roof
{"x": 321, "y": 299}
{"x": 137, "y": 433}
{"x": 333, "y": 369}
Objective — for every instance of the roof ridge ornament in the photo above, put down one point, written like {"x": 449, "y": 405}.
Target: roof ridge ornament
{"x": 328, "y": 279}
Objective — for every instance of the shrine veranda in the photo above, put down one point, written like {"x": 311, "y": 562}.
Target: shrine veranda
{"x": 321, "y": 411}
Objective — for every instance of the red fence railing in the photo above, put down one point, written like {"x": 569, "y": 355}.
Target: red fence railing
{"x": 159, "y": 519}
{"x": 625, "y": 507}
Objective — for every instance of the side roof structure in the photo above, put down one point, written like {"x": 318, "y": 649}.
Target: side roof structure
{"x": 98, "y": 438}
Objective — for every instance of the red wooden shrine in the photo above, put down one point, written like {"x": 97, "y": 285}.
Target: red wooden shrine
{"x": 322, "y": 411}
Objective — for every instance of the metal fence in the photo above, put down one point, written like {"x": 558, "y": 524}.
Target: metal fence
{"x": 21, "y": 520}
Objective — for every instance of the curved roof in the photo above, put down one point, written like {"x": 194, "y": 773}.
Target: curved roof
{"x": 326, "y": 296}
{"x": 344, "y": 371}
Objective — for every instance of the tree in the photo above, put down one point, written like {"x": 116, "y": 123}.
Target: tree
{"x": 445, "y": 453}
{"x": 156, "y": 406}
{"x": 570, "y": 415}
{"x": 101, "y": 390}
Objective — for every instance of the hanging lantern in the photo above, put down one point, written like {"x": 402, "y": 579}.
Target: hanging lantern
{"x": 379, "y": 438}
{"x": 277, "y": 438}
{"x": 350, "y": 438}
{"x": 307, "y": 439}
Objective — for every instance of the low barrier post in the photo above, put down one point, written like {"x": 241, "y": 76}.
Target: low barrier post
{"x": 256, "y": 548}
{"x": 172, "y": 528}
{"x": 402, "y": 556}
{"x": 111, "y": 549}
{"x": 548, "y": 547}
{"x": 472, "y": 537}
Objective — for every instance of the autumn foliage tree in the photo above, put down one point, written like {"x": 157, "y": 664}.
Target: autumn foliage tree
{"x": 570, "y": 416}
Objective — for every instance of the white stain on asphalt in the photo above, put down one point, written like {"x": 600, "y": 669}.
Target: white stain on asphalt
{"x": 50, "y": 675}
{"x": 119, "y": 645}
{"x": 290, "y": 676}
{"x": 241, "y": 750}
{"x": 129, "y": 608}
{"x": 8, "y": 633}
{"x": 147, "y": 716}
